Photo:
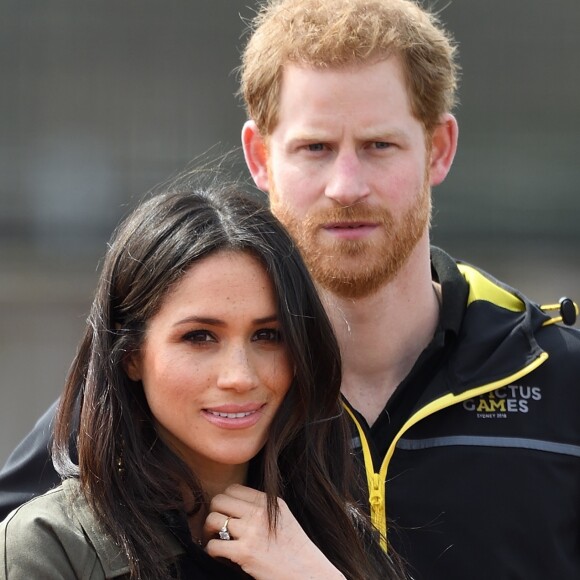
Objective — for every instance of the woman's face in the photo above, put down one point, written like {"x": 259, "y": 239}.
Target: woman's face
{"x": 214, "y": 365}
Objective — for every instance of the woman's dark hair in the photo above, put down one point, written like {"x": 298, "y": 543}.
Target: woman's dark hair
{"x": 129, "y": 476}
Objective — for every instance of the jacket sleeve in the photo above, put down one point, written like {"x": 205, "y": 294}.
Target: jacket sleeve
{"x": 41, "y": 539}
{"x": 29, "y": 472}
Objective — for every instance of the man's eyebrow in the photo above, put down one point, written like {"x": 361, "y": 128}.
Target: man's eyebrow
{"x": 365, "y": 134}
{"x": 310, "y": 135}
{"x": 380, "y": 133}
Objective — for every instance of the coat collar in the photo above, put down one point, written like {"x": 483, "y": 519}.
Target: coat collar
{"x": 111, "y": 556}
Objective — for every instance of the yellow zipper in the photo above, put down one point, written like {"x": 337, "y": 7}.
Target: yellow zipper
{"x": 376, "y": 481}
{"x": 376, "y": 485}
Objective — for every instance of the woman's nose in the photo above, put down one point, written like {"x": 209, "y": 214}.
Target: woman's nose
{"x": 237, "y": 371}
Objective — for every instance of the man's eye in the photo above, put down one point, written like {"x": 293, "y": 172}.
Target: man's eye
{"x": 381, "y": 144}
{"x": 316, "y": 147}
{"x": 268, "y": 335}
{"x": 199, "y": 336}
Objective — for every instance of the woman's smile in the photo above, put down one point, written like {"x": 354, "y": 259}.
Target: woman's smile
{"x": 227, "y": 417}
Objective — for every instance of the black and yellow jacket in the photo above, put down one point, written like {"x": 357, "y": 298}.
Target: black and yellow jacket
{"x": 481, "y": 478}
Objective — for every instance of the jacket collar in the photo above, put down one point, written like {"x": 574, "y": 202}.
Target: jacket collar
{"x": 111, "y": 556}
{"x": 493, "y": 326}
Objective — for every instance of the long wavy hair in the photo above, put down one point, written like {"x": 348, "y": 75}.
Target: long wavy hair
{"x": 306, "y": 458}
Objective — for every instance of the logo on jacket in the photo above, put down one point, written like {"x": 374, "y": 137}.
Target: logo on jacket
{"x": 501, "y": 403}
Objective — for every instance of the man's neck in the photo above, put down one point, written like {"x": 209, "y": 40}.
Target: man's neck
{"x": 382, "y": 335}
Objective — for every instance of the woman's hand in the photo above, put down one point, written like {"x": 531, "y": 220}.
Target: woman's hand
{"x": 287, "y": 552}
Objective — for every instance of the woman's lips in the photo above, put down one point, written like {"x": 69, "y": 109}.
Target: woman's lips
{"x": 234, "y": 416}
{"x": 231, "y": 415}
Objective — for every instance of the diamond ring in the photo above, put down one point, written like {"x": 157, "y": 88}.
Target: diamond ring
{"x": 224, "y": 534}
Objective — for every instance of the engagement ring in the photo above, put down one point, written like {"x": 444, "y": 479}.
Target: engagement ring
{"x": 223, "y": 533}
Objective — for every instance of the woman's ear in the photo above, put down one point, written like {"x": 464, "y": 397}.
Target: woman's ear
{"x": 256, "y": 155}
{"x": 443, "y": 148}
{"x": 132, "y": 366}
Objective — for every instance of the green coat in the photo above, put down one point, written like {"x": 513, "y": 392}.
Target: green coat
{"x": 56, "y": 535}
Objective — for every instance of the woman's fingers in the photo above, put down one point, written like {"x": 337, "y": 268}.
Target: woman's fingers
{"x": 238, "y": 503}
{"x": 236, "y": 516}
{"x": 242, "y": 513}
{"x": 238, "y": 500}
{"x": 218, "y": 527}
{"x": 217, "y": 522}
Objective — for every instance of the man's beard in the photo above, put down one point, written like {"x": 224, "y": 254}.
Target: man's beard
{"x": 357, "y": 268}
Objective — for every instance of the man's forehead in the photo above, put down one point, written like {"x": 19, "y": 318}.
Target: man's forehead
{"x": 313, "y": 95}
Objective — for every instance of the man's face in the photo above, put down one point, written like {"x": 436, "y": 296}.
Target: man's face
{"x": 348, "y": 173}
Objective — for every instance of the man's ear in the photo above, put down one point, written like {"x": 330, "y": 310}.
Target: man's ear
{"x": 443, "y": 148}
{"x": 132, "y": 366}
{"x": 256, "y": 155}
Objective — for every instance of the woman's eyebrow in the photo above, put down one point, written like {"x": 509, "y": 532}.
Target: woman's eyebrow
{"x": 219, "y": 322}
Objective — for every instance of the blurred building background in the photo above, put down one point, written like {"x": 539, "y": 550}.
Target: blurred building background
{"x": 101, "y": 101}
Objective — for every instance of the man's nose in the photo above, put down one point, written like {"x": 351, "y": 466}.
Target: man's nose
{"x": 237, "y": 371}
{"x": 347, "y": 184}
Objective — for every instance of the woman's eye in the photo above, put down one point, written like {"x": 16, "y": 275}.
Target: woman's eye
{"x": 198, "y": 336}
{"x": 268, "y": 335}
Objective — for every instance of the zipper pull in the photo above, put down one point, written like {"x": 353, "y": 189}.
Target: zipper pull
{"x": 378, "y": 516}
{"x": 376, "y": 496}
